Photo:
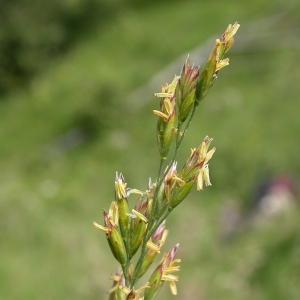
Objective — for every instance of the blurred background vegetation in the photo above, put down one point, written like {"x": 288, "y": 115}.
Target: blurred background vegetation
{"x": 76, "y": 85}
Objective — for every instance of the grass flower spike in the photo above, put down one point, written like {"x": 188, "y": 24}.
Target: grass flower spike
{"x": 204, "y": 158}
{"x": 171, "y": 267}
{"x": 154, "y": 245}
{"x": 215, "y": 62}
{"x": 163, "y": 273}
{"x": 167, "y": 121}
{"x": 136, "y": 232}
{"x": 123, "y": 208}
{"x": 185, "y": 90}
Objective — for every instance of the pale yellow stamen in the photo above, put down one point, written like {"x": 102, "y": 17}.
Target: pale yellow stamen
{"x": 202, "y": 151}
{"x": 203, "y": 176}
{"x": 137, "y": 192}
{"x": 131, "y": 270}
{"x": 206, "y": 176}
{"x": 153, "y": 247}
{"x": 125, "y": 289}
{"x": 168, "y": 89}
{"x": 163, "y": 95}
{"x": 161, "y": 114}
{"x": 173, "y": 287}
{"x": 168, "y": 106}
{"x": 210, "y": 154}
{"x": 200, "y": 181}
{"x": 169, "y": 277}
{"x": 113, "y": 213}
{"x": 100, "y": 227}
{"x": 115, "y": 277}
{"x": 120, "y": 188}
{"x": 231, "y": 30}
{"x": 180, "y": 181}
{"x": 139, "y": 215}
{"x": 164, "y": 237}
{"x": 222, "y": 63}
{"x": 166, "y": 276}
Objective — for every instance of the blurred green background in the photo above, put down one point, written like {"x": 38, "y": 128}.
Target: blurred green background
{"x": 76, "y": 84}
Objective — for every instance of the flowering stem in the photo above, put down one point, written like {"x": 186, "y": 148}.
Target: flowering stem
{"x": 160, "y": 220}
{"x": 185, "y": 129}
{"x": 178, "y": 134}
{"x": 162, "y": 161}
{"x": 140, "y": 261}
{"x": 125, "y": 272}
{"x": 154, "y": 223}
{"x": 125, "y": 235}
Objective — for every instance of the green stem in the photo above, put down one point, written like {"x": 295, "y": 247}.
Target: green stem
{"x": 178, "y": 134}
{"x": 154, "y": 204}
{"x": 125, "y": 272}
{"x": 161, "y": 219}
{"x": 178, "y": 141}
{"x": 127, "y": 245}
{"x": 161, "y": 164}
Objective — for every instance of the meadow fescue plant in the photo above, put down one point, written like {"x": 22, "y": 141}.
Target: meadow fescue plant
{"x": 143, "y": 227}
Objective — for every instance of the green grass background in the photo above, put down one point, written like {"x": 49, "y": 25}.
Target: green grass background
{"x": 49, "y": 249}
